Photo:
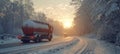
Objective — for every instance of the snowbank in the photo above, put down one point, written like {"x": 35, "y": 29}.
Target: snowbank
{"x": 2, "y": 42}
{"x": 8, "y": 38}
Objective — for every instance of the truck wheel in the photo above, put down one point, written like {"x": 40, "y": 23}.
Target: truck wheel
{"x": 50, "y": 38}
{"x": 25, "y": 41}
{"x": 38, "y": 39}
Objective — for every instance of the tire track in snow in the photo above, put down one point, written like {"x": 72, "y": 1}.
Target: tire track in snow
{"x": 91, "y": 44}
{"x": 28, "y": 45}
{"x": 83, "y": 45}
{"x": 36, "y": 47}
{"x": 61, "y": 47}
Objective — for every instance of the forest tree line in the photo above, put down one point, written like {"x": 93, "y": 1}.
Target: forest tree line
{"x": 14, "y": 12}
{"x": 102, "y": 17}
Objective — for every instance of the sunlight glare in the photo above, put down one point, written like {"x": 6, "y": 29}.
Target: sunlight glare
{"x": 67, "y": 23}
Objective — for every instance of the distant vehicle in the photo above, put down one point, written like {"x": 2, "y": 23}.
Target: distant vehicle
{"x": 65, "y": 35}
{"x": 35, "y": 31}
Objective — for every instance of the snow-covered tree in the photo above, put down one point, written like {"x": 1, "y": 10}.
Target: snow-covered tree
{"x": 103, "y": 15}
{"x": 13, "y": 13}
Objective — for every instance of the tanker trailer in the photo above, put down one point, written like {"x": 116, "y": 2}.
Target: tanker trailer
{"x": 35, "y": 31}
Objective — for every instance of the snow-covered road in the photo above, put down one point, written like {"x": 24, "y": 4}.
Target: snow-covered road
{"x": 28, "y": 48}
{"x": 62, "y": 45}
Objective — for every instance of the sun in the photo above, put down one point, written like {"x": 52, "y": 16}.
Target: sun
{"x": 67, "y": 21}
{"x": 67, "y": 24}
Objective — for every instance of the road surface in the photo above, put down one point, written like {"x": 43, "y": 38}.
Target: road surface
{"x": 60, "y": 45}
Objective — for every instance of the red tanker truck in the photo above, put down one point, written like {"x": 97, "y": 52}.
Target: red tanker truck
{"x": 35, "y": 31}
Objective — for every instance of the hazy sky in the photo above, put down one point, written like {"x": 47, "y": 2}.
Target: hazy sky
{"x": 46, "y": 3}
{"x": 59, "y": 10}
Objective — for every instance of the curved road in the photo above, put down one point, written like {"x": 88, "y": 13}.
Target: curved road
{"x": 59, "y": 45}
{"x": 19, "y": 47}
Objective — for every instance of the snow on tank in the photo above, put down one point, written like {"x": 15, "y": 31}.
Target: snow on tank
{"x": 35, "y": 24}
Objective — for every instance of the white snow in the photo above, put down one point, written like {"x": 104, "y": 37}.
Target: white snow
{"x": 96, "y": 46}
{"x": 20, "y": 49}
{"x": 87, "y": 44}
{"x": 62, "y": 48}
{"x": 103, "y": 47}
{"x": 8, "y": 41}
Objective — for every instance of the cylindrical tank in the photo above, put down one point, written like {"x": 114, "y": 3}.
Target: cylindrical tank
{"x": 30, "y": 26}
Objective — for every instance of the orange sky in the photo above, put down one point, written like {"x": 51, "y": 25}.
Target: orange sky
{"x": 58, "y": 10}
